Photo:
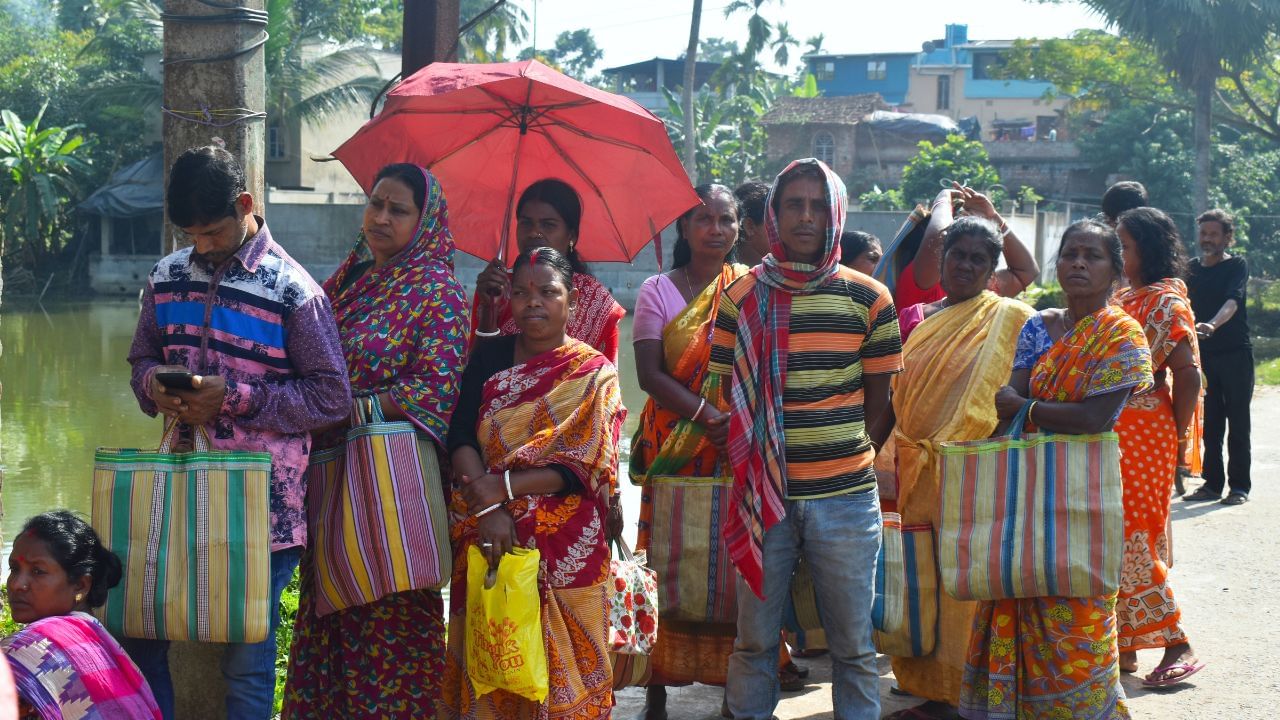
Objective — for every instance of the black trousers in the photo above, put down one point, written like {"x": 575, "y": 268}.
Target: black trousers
{"x": 1226, "y": 403}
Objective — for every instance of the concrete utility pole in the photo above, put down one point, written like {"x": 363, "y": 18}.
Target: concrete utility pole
{"x": 215, "y": 86}
{"x": 430, "y": 34}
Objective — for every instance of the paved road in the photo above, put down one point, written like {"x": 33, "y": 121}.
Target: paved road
{"x": 1226, "y": 576}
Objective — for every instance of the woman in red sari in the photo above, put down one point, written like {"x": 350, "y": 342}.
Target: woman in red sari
{"x": 1049, "y": 657}
{"x": 547, "y": 215}
{"x": 534, "y": 443}
{"x": 1155, "y": 430}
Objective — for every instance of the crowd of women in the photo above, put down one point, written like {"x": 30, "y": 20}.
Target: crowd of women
{"x": 522, "y": 410}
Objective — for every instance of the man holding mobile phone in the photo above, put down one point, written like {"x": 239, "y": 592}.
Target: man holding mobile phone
{"x": 236, "y": 338}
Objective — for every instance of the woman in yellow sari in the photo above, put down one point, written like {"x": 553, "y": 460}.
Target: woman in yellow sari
{"x": 677, "y": 454}
{"x": 534, "y": 444}
{"x": 1051, "y": 657}
{"x": 955, "y": 360}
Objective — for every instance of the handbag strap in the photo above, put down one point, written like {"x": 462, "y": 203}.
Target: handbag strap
{"x": 367, "y": 409}
{"x": 624, "y": 552}
{"x": 1020, "y": 420}
{"x": 170, "y": 437}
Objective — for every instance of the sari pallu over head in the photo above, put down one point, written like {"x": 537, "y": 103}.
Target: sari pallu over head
{"x": 68, "y": 666}
{"x": 757, "y": 448}
{"x": 404, "y": 325}
{"x": 563, "y": 407}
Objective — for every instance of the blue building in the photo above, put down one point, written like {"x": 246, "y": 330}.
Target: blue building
{"x": 951, "y": 76}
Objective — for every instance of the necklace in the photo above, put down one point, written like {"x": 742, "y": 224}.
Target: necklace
{"x": 688, "y": 285}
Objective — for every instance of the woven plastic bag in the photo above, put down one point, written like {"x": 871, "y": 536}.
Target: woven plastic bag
{"x": 505, "y": 647}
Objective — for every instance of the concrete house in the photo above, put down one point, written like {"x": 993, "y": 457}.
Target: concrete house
{"x": 821, "y": 127}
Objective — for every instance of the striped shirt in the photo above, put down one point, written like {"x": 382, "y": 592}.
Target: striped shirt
{"x": 264, "y": 325}
{"x": 844, "y": 329}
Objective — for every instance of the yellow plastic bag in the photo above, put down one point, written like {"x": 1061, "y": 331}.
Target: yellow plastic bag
{"x": 504, "y": 641}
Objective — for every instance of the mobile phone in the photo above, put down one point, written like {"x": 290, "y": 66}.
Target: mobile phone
{"x": 177, "y": 379}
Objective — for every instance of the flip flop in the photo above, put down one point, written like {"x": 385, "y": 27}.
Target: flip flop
{"x": 1188, "y": 669}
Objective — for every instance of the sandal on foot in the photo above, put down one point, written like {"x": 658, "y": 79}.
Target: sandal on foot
{"x": 798, "y": 670}
{"x": 1235, "y": 498}
{"x": 1189, "y": 668}
{"x": 1202, "y": 495}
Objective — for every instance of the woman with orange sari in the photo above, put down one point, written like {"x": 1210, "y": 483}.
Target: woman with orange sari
{"x": 534, "y": 444}
{"x": 677, "y": 454}
{"x": 1050, "y": 657}
{"x": 1155, "y": 430}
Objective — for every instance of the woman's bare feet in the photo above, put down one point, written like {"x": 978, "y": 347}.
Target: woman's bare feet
{"x": 1128, "y": 661}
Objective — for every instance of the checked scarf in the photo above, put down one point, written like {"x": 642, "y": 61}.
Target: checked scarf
{"x": 757, "y": 448}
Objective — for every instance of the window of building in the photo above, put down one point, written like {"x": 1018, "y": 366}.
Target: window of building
{"x": 824, "y": 148}
{"x": 986, "y": 65}
{"x": 824, "y": 70}
{"x": 275, "y": 143}
{"x": 944, "y": 92}
{"x": 876, "y": 70}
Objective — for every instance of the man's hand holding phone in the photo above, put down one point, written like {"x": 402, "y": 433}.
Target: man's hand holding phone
{"x": 192, "y": 399}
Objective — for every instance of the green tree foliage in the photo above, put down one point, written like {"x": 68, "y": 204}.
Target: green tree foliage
{"x": 41, "y": 172}
{"x": 488, "y": 40}
{"x": 964, "y": 161}
{"x": 575, "y": 53}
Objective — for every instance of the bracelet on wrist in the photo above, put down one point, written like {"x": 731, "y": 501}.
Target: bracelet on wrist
{"x": 506, "y": 480}
{"x": 487, "y": 510}
{"x": 492, "y": 333}
{"x": 702, "y": 404}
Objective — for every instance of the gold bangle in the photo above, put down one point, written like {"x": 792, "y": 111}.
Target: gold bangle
{"x": 1030, "y": 409}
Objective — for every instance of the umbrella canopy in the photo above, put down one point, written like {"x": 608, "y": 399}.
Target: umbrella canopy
{"x": 488, "y": 131}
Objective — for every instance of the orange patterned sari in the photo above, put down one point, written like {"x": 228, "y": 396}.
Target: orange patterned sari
{"x": 1146, "y": 612}
{"x": 1053, "y": 657}
{"x": 688, "y": 481}
{"x": 563, "y": 407}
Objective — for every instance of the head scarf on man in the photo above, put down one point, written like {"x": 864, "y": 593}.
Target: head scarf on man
{"x": 757, "y": 448}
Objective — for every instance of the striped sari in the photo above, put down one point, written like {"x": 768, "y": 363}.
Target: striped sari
{"x": 562, "y": 407}
{"x": 687, "y": 483}
{"x": 68, "y": 666}
{"x": 1051, "y": 657}
{"x": 954, "y": 363}
{"x": 1147, "y": 613}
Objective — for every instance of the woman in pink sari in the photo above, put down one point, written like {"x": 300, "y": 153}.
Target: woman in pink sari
{"x": 64, "y": 663}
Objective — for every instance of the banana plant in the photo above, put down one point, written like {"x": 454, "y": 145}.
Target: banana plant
{"x": 38, "y": 173}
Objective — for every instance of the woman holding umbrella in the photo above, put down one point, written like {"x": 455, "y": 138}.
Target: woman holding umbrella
{"x": 548, "y": 215}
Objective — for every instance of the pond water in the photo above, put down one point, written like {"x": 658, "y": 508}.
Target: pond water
{"x": 66, "y": 392}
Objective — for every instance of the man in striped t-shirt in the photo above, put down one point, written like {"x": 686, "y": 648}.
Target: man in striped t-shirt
{"x": 807, "y": 347}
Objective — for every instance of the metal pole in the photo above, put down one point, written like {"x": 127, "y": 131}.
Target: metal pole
{"x": 430, "y": 34}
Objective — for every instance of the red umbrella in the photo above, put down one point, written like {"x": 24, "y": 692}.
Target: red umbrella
{"x": 488, "y": 131}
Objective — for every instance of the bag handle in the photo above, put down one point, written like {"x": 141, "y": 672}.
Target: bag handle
{"x": 367, "y": 409}
{"x": 1019, "y": 422}
{"x": 170, "y": 437}
{"x": 624, "y": 552}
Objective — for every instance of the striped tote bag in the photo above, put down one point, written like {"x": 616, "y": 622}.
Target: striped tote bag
{"x": 376, "y": 514}
{"x": 916, "y": 632}
{"x": 1036, "y": 515}
{"x": 192, "y": 530}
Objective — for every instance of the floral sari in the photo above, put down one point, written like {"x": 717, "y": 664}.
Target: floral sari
{"x": 563, "y": 407}
{"x": 954, "y": 363}
{"x": 1146, "y": 612}
{"x": 404, "y": 331}
{"x": 687, "y": 483}
{"x": 68, "y": 666}
{"x": 1051, "y": 657}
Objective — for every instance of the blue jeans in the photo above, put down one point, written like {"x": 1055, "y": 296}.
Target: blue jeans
{"x": 249, "y": 668}
{"x": 839, "y": 538}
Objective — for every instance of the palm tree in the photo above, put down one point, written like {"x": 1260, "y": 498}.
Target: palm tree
{"x": 487, "y": 40}
{"x": 815, "y": 44}
{"x": 759, "y": 30}
{"x": 690, "y": 78}
{"x": 1199, "y": 41}
{"x": 783, "y": 44}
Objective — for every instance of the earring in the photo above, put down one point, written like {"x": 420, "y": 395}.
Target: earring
{"x": 79, "y": 597}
